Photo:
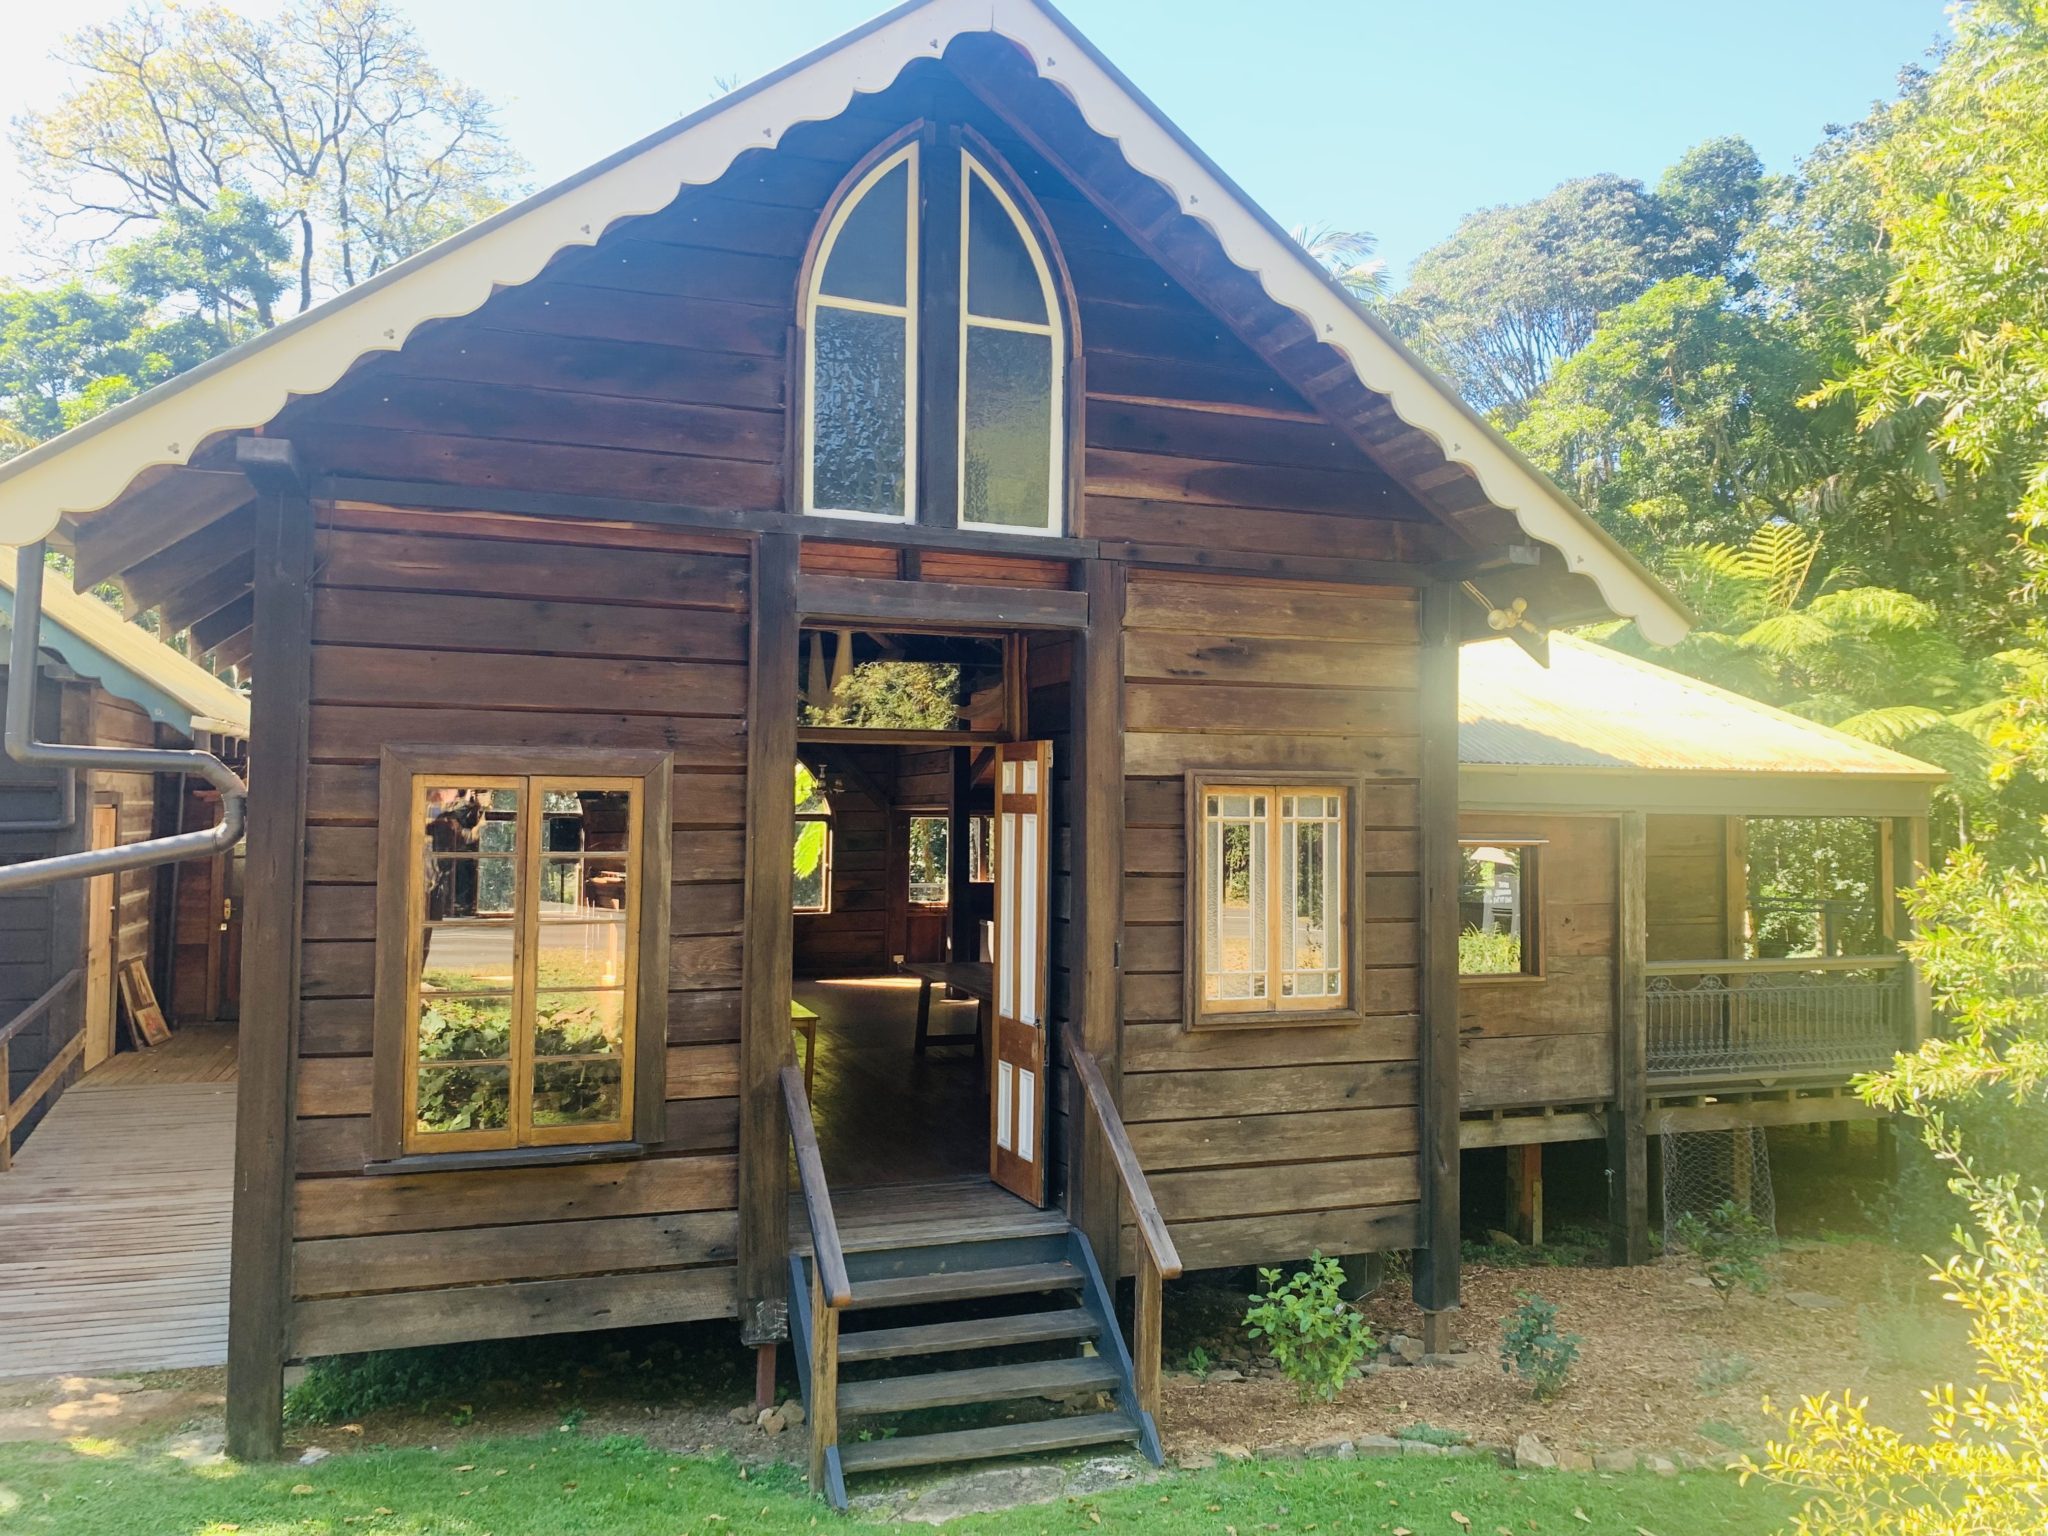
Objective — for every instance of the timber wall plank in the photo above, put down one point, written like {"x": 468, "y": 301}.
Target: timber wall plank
{"x": 1263, "y": 1143}
{"x": 1548, "y": 1039}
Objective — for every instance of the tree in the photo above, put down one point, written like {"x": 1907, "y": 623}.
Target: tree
{"x": 332, "y": 115}
{"x": 1679, "y": 421}
{"x": 1519, "y": 288}
{"x": 1960, "y": 179}
{"x": 1712, "y": 194}
{"x": 1873, "y": 662}
{"x": 1348, "y": 255}
{"x": 192, "y": 287}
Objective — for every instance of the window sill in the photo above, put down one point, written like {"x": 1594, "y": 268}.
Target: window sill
{"x": 509, "y": 1157}
{"x": 1277, "y": 1018}
{"x": 1498, "y": 978}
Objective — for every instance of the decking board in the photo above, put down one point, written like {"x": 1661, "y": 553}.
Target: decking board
{"x": 114, "y": 1221}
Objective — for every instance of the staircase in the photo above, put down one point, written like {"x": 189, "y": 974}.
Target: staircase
{"x": 1022, "y": 1330}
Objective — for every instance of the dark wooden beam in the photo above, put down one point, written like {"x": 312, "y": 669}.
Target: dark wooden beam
{"x": 765, "y": 949}
{"x": 1243, "y": 562}
{"x": 1437, "y": 1262}
{"x": 191, "y": 559}
{"x": 218, "y": 588}
{"x": 966, "y": 541}
{"x": 877, "y": 600}
{"x": 271, "y": 465}
{"x": 237, "y": 616}
{"x": 236, "y": 650}
{"x": 1628, "y": 1151}
{"x": 259, "y": 1299}
{"x": 603, "y": 509}
{"x": 1098, "y": 798}
{"x": 149, "y": 521}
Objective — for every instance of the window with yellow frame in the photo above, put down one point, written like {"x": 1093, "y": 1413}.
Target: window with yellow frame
{"x": 520, "y": 1014}
{"x": 1272, "y": 932}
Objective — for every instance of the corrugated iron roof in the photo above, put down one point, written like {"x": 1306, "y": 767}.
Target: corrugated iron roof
{"x": 129, "y": 662}
{"x": 1593, "y": 707}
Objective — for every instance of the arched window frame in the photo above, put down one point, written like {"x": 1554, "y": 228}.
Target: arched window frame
{"x": 938, "y": 326}
{"x": 972, "y": 167}
{"x": 902, "y": 150}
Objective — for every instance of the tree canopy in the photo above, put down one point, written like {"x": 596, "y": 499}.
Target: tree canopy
{"x": 331, "y": 114}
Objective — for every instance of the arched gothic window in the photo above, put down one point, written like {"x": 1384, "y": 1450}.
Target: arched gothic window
{"x": 935, "y": 350}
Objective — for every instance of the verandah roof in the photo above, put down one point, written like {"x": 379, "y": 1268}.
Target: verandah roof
{"x": 1598, "y": 728}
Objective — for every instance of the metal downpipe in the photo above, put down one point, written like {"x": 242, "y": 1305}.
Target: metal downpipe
{"x": 21, "y": 745}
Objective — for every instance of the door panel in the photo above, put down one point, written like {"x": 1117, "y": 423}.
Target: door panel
{"x": 99, "y": 944}
{"x": 1022, "y": 869}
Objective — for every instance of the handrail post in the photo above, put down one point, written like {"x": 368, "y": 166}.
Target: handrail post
{"x": 824, "y": 1378}
{"x": 6, "y": 1118}
{"x": 1146, "y": 1321}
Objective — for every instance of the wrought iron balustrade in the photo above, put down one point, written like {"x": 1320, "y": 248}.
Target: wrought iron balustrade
{"x": 1743, "y": 1018}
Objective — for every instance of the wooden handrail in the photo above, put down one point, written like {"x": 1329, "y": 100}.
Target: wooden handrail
{"x": 11, "y": 1112}
{"x": 1129, "y": 1171}
{"x": 829, "y": 1257}
{"x": 1158, "y": 1259}
{"x": 1789, "y": 967}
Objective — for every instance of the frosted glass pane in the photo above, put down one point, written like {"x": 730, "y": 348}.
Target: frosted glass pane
{"x": 868, "y": 260}
{"x": 1027, "y": 1114}
{"x": 1002, "y": 282}
{"x": 857, "y": 412}
{"x": 1005, "y": 1078}
{"x": 1027, "y": 917}
{"x": 1008, "y": 469}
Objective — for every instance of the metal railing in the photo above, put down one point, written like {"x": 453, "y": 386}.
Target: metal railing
{"x": 1749, "y": 1018}
{"x": 14, "y": 1111}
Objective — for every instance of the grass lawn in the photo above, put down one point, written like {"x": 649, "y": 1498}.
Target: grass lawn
{"x": 570, "y": 1483}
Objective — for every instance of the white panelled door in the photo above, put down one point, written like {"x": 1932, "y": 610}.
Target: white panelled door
{"x": 1023, "y": 865}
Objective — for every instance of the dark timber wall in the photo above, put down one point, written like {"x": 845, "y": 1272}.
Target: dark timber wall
{"x": 1548, "y": 1040}
{"x": 655, "y": 366}
{"x": 507, "y": 632}
{"x": 1267, "y": 1143}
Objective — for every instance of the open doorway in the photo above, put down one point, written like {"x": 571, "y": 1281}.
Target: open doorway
{"x": 920, "y": 942}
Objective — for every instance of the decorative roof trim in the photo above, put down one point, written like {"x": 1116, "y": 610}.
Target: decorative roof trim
{"x": 246, "y": 387}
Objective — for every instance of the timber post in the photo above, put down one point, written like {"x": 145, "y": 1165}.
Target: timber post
{"x": 1628, "y": 1147}
{"x": 1097, "y": 784}
{"x": 1913, "y": 833}
{"x": 259, "y": 1286}
{"x": 1437, "y": 1259}
{"x": 765, "y": 958}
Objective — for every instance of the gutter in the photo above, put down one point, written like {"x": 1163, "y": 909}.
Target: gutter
{"x": 20, "y": 744}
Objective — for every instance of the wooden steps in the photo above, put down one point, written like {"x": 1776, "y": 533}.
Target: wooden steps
{"x": 982, "y": 1384}
{"x": 965, "y": 1285}
{"x": 984, "y": 1444}
{"x": 1010, "y": 1328}
{"x": 1073, "y": 1323}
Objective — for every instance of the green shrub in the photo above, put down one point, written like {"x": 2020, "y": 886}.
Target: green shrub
{"x": 1488, "y": 954}
{"x": 1316, "y": 1336}
{"x": 1730, "y": 1244}
{"x": 1532, "y": 1348}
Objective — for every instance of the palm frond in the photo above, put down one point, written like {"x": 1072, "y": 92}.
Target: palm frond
{"x": 1349, "y": 255}
{"x": 1891, "y": 725}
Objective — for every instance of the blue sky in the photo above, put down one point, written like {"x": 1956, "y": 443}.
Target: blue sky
{"x": 1396, "y": 118}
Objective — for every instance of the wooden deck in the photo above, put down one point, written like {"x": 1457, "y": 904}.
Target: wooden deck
{"x": 114, "y": 1220}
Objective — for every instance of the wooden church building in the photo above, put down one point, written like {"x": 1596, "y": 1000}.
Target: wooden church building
{"x": 930, "y": 433}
